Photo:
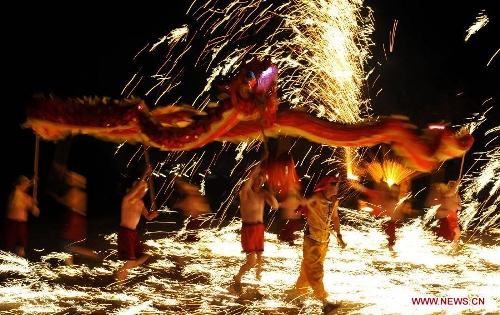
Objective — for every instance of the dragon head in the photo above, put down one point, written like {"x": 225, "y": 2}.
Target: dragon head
{"x": 253, "y": 90}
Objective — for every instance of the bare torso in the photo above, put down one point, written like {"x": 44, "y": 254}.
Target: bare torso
{"x": 19, "y": 204}
{"x": 252, "y": 205}
{"x": 131, "y": 212}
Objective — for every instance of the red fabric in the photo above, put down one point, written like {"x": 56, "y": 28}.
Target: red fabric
{"x": 193, "y": 223}
{"x": 443, "y": 230}
{"x": 452, "y": 220}
{"x": 130, "y": 246}
{"x": 252, "y": 237}
{"x": 325, "y": 181}
{"x": 281, "y": 174}
{"x": 304, "y": 210}
{"x": 238, "y": 118}
{"x": 287, "y": 234}
{"x": 192, "y": 227}
{"x": 16, "y": 234}
{"x": 446, "y": 226}
{"x": 390, "y": 228}
{"x": 416, "y": 152}
{"x": 74, "y": 227}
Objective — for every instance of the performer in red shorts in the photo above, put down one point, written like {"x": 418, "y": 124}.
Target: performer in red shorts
{"x": 446, "y": 196}
{"x": 253, "y": 197}
{"x": 385, "y": 203}
{"x": 130, "y": 247}
{"x": 74, "y": 228}
{"x": 19, "y": 206}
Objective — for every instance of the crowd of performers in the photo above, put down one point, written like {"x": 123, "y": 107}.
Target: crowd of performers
{"x": 247, "y": 107}
{"x": 314, "y": 218}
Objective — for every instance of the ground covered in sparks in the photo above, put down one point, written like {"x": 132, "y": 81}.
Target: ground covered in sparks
{"x": 195, "y": 277}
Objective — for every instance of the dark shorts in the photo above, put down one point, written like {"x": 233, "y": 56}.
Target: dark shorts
{"x": 74, "y": 227}
{"x": 130, "y": 246}
{"x": 16, "y": 234}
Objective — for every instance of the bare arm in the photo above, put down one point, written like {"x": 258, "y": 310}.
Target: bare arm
{"x": 34, "y": 208}
{"x": 247, "y": 185}
{"x": 272, "y": 201}
{"x": 147, "y": 172}
{"x": 459, "y": 202}
{"x": 141, "y": 185}
{"x": 149, "y": 215}
{"x": 34, "y": 202}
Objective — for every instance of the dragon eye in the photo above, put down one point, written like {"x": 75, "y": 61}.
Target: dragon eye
{"x": 249, "y": 76}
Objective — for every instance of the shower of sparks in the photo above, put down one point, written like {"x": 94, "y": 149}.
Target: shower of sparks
{"x": 195, "y": 278}
{"x": 322, "y": 49}
{"x": 175, "y": 36}
{"x": 493, "y": 57}
{"x": 324, "y": 59}
{"x": 480, "y": 190}
{"x": 390, "y": 171}
{"x": 481, "y": 21}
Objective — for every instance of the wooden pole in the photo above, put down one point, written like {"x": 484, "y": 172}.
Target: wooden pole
{"x": 461, "y": 168}
{"x": 462, "y": 164}
{"x": 264, "y": 139}
{"x": 150, "y": 181}
{"x": 35, "y": 170}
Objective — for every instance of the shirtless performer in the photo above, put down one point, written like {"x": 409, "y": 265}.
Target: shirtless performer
{"x": 253, "y": 197}
{"x": 448, "y": 199}
{"x": 385, "y": 200}
{"x": 130, "y": 246}
{"x": 73, "y": 231}
{"x": 19, "y": 205}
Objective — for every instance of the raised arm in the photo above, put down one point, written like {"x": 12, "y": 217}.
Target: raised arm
{"x": 141, "y": 184}
{"x": 147, "y": 172}
{"x": 255, "y": 172}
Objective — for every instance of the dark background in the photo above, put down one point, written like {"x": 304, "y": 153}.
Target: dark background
{"x": 88, "y": 50}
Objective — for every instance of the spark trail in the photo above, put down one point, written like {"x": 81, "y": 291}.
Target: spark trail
{"x": 321, "y": 48}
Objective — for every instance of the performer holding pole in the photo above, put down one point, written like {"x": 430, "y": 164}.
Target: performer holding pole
{"x": 253, "y": 197}
{"x": 19, "y": 205}
{"x": 130, "y": 246}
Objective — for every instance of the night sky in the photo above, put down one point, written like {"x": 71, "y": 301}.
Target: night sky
{"x": 432, "y": 75}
